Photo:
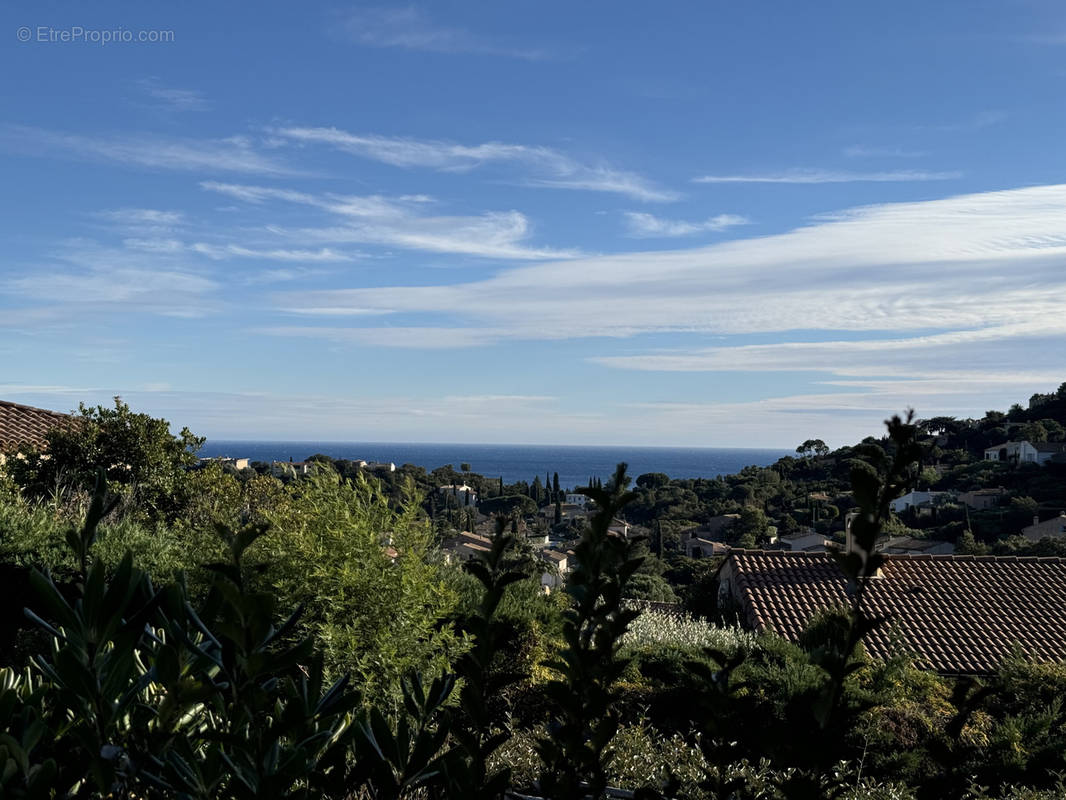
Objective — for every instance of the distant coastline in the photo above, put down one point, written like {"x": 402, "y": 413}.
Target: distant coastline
{"x": 574, "y": 463}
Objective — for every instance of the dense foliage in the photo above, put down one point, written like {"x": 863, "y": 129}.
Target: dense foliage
{"x": 229, "y": 634}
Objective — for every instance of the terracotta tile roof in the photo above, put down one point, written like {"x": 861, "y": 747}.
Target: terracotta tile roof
{"x": 22, "y": 425}
{"x": 958, "y": 614}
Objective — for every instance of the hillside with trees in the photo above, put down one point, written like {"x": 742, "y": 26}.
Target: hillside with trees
{"x": 198, "y": 631}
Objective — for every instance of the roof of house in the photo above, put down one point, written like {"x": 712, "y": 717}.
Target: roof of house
{"x": 716, "y": 548}
{"x": 22, "y": 425}
{"x": 472, "y": 538}
{"x": 1044, "y": 522}
{"x": 958, "y": 614}
{"x": 910, "y": 544}
{"x": 553, "y": 555}
{"x": 468, "y": 540}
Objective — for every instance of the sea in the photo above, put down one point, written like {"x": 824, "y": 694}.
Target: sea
{"x": 576, "y": 464}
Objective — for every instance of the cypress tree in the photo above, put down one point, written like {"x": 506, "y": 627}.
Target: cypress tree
{"x": 555, "y": 485}
{"x": 558, "y": 510}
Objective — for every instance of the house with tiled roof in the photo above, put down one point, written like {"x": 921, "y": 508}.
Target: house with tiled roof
{"x": 1054, "y": 528}
{"x": 465, "y": 546}
{"x": 25, "y": 426}
{"x": 697, "y": 547}
{"x": 982, "y": 499}
{"x": 959, "y": 615}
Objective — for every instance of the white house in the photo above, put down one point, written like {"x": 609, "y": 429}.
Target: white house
{"x": 236, "y": 463}
{"x": 695, "y": 547}
{"x": 915, "y": 499}
{"x": 464, "y": 495}
{"x": 553, "y": 578}
{"x": 1025, "y": 452}
{"x": 380, "y": 466}
{"x": 807, "y": 541}
{"x": 576, "y": 499}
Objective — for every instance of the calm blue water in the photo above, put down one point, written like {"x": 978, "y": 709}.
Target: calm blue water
{"x": 575, "y": 464}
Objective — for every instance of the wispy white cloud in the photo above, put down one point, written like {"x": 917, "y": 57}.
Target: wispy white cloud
{"x": 224, "y": 251}
{"x": 236, "y": 154}
{"x": 257, "y": 194}
{"x": 831, "y": 176}
{"x": 411, "y": 28}
{"x": 415, "y": 338}
{"x": 402, "y": 222}
{"x": 173, "y": 99}
{"x": 140, "y": 289}
{"x": 142, "y": 217}
{"x": 940, "y": 355}
{"x": 964, "y": 262}
{"x": 283, "y": 275}
{"x": 546, "y": 167}
{"x": 85, "y": 277}
{"x": 647, "y": 226}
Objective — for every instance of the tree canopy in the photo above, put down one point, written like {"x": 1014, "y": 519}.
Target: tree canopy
{"x": 138, "y": 453}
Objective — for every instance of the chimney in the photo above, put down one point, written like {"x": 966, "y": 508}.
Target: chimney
{"x": 1036, "y": 519}
{"x": 849, "y": 543}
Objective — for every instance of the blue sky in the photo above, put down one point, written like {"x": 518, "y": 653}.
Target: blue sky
{"x": 739, "y": 224}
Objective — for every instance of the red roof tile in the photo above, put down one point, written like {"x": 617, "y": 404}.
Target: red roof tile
{"x": 958, "y": 614}
{"x": 22, "y": 425}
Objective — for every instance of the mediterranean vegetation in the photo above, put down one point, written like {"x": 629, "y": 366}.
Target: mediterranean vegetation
{"x": 182, "y": 629}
